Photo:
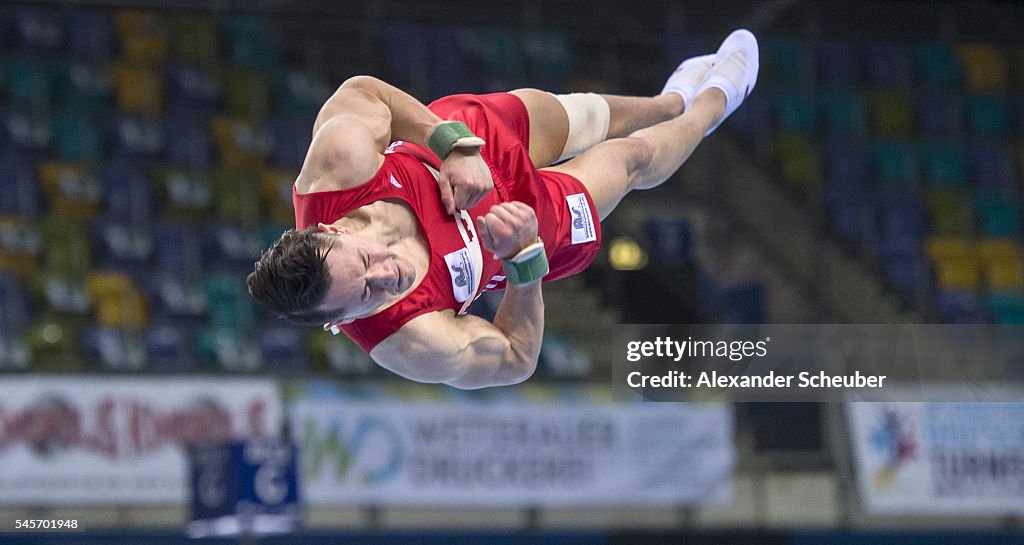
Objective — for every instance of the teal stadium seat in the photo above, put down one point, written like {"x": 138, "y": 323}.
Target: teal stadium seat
{"x": 937, "y": 66}
{"x": 794, "y": 111}
{"x": 896, "y": 162}
{"x": 786, "y": 60}
{"x": 251, "y": 40}
{"x": 843, "y": 112}
{"x": 77, "y": 137}
{"x": 945, "y": 164}
{"x": 1006, "y": 307}
{"x": 987, "y": 116}
{"x": 997, "y": 217}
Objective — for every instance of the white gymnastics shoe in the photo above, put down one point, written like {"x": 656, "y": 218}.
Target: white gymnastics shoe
{"x": 734, "y": 71}
{"x": 687, "y": 77}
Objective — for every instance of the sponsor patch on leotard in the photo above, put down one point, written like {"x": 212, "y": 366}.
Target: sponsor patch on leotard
{"x": 582, "y": 222}
{"x": 461, "y": 269}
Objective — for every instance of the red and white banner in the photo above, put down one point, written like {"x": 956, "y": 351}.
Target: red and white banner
{"x": 514, "y": 454}
{"x": 119, "y": 440}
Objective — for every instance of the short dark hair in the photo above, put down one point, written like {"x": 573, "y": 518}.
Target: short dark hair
{"x": 292, "y": 277}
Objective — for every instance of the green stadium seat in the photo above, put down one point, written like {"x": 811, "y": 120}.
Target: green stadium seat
{"x": 1015, "y": 59}
{"x": 194, "y": 39}
{"x": 184, "y": 195}
{"x": 143, "y": 37}
{"x": 948, "y": 213}
{"x": 71, "y": 189}
{"x": 800, "y": 162}
{"x": 890, "y": 113}
{"x": 234, "y": 197}
{"x": 54, "y": 345}
{"x": 246, "y": 94}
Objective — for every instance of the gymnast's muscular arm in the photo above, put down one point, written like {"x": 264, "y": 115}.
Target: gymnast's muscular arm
{"x": 470, "y": 352}
{"x": 355, "y": 126}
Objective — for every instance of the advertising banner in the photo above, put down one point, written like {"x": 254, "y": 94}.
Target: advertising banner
{"x": 73, "y": 440}
{"x": 514, "y": 454}
{"x": 940, "y": 458}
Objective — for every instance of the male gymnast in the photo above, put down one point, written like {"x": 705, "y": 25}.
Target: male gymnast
{"x": 406, "y": 213}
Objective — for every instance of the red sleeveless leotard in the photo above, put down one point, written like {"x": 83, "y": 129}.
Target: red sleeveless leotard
{"x": 567, "y": 219}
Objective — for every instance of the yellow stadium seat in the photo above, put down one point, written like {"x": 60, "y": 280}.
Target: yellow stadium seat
{"x": 277, "y": 193}
{"x": 239, "y": 143}
{"x": 1004, "y": 275}
{"x": 998, "y": 249}
{"x": 143, "y": 36}
{"x": 955, "y": 273}
{"x": 945, "y": 248}
{"x": 984, "y": 66}
{"x": 118, "y": 302}
{"x": 139, "y": 89}
{"x": 20, "y": 247}
{"x": 71, "y": 189}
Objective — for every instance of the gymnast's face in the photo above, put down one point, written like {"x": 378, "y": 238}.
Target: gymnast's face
{"x": 365, "y": 276}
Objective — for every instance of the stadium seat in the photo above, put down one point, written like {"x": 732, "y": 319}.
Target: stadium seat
{"x": 21, "y": 247}
{"x": 219, "y": 349}
{"x": 27, "y": 134}
{"x": 937, "y": 66}
{"x": 77, "y": 137}
{"x": 958, "y": 274}
{"x": 298, "y": 95}
{"x": 193, "y": 93}
{"x": 241, "y": 144}
{"x": 15, "y": 316}
{"x": 889, "y": 65}
{"x": 178, "y": 250}
{"x": 997, "y": 216}
{"x": 560, "y": 359}
{"x": 127, "y": 193}
{"x": 138, "y": 89}
{"x": 901, "y": 215}
{"x": 236, "y": 195}
{"x": 1003, "y": 262}
{"x": 38, "y": 30}
{"x": 940, "y": 113}
{"x": 839, "y": 64}
{"x": 670, "y": 238}
{"x": 184, "y": 194}
{"x": 896, "y": 162}
{"x": 90, "y": 34}
{"x": 113, "y": 349}
{"x": 549, "y": 58}
{"x": 984, "y": 66}
{"x": 799, "y": 161}
{"x": 143, "y": 37}
{"x": 939, "y": 248}
{"x": 283, "y": 347}
{"x": 194, "y": 39}
{"x": 843, "y": 113}
{"x": 1006, "y": 307}
{"x": 992, "y": 167}
{"x": 231, "y": 248}
{"x": 337, "y": 354}
{"x": 189, "y": 144}
{"x": 960, "y": 307}
{"x": 118, "y": 301}
{"x": 890, "y": 113}
{"x": 909, "y": 274}
{"x": 29, "y": 86}
{"x": 137, "y": 138}
{"x": 246, "y": 94}
{"x": 945, "y": 164}
{"x": 251, "y": 40}
{"x": 795, "y": 112}
{"x": 168, "y": 348}
{"x": 786, "y": 60}
{"x": 987, "y": 116}
{"x": 276, "y": 187}
{"x": 948, "y": 214}
{"x": 19, "y": 192}
{"x": 55, "y": 345}
{"x": 72, "y": 189}
{"x": 291, "y": 142}
{"x": 230, "y": 306}
{"x": 123, "y": 247}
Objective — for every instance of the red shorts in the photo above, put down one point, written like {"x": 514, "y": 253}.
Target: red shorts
{"x": 568, "y": 220}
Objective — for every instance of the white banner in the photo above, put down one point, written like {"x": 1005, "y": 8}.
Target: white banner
{"x": 940, "y": 458}
{"x": 513, "y": 454}
{"x": 119, "y": 440}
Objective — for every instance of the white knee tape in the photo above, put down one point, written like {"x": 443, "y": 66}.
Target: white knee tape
{"x": 589, "y": 116}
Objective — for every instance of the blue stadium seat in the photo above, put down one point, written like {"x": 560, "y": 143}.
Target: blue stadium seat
{"x": 230, "y": 248}
{"x": 178, "y": 250}
{"x": 853, "y": 217}
{"x": 940, "y": 113}
{"x": 37, "y": 30}
{"x": 113, "y": 349}
{"x": 839, "y": 64}
{"x": 453, "y": 66}
{"x": 192, "y": 92}
{"x": 849, "y": 165}
{"x": 901, "y": 214}
{"x": 908, "y": 273}
{"x": 189, "y": 143}
{"x": 889, "y": 65}
{"x": 19, "y": 192}
{"x": 90, "y": 34}
{"x": 127, "y": 192}
{"x": 291, "y": 142}
{"x": 407, "y": 52}
{"x": 744, "y": 304}
{"x": 15, "y": 317}
{"x": 992, "y": 166}
{"x": 961, "y": 307}
{"x": 298, "y": 95}
{"x": 26, "y": 134}
{"x": 137, "y": 138}
{"x": 752, "y": 122}
{"x": 124, "y": 247}
{"x": 168, "y": 347}
{"x": 670, "y": 238}
{"x": 283, "y": 347}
